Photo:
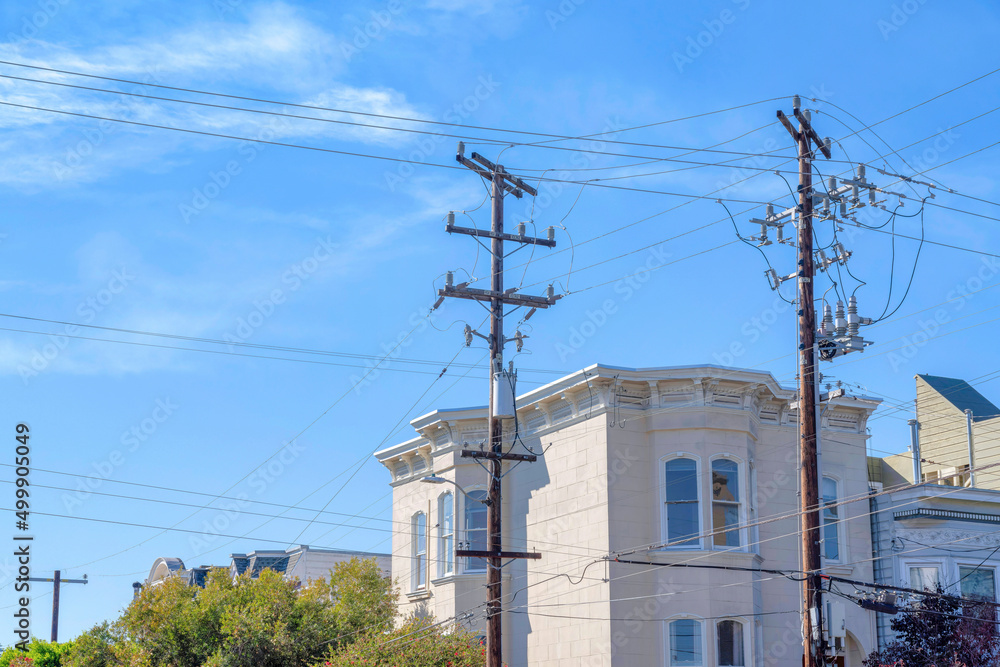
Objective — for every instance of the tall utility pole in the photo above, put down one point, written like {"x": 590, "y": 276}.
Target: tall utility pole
{"x": 56, "y": 581}
{"x": 812, "y": 618}
{"x": 501, "y": 381}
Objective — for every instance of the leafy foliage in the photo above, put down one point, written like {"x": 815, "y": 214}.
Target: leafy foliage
{"x": 269, "y": 622}
{"x": 91, "y": 649}
{"x": 942, "y": 632}
{"x": 40, "y": 654}
{"x": 417, "y": 643}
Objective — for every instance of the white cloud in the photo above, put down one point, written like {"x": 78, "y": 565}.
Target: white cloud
{"x": 273, "y": 49}
{"x": 273, "y": 43}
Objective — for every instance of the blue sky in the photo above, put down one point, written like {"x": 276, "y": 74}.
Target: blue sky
{"x": 146, "y": 229}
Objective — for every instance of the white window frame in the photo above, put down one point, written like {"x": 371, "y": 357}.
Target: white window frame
{"x": 446, "y": 552}
{"x": 704, "y": 639}
{"x": 746, "y": 629}
{"x": 698, "y": 543}
{"x": 468, "y": 501}
{"x": 753, "y": 503}
{"x": 841, "y": 516}
{"x": 741, "y": 477}
{"x": 418, "y": 562}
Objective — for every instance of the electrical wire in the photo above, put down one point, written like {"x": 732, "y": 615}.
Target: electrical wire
{"x": 282, "y": 448}
{"x": 355, "y": 112}
{"x": 758, "y": 248}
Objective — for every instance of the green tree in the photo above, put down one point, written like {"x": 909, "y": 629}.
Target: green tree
{"x": 269, "y": 622}
{"x": 93, "y": 648}
{"x": 265, "y": 621}
{"x": 941, "y": 631}
{"x": 363, "y": 598}
{"x": 40, "y": 652}
{"x": 416, "y": 643}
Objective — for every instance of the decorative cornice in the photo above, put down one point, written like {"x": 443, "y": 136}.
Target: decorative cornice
{"x": 949, "y": 537}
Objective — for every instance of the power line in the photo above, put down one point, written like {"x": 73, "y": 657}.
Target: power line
{"x": 235, "y": 343}
{"x": 556, "y": 137}
{"x": 220, "y": 135}
{"x": 484, "y": 140}
{"x": 283, "y": 446}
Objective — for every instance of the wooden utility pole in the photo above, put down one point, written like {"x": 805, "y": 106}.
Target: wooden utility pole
{"x": 501, "y": 184}
{"x": 813, "y": 644}
{"x": 57, "y": 580}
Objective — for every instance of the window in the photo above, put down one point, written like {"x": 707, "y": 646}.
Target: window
{"x": 446, "y": 539}
{"x": 475, "y": 529}
{"x": 419, "y": 542}
{"x": 681, "y": 494}
{"x": 725, "y": 503}
{"x": 924, "y": 577}
{"x": 685, "y": 642}
{"x": 977, "y": 583}
{"x": 730, "y": 635}
{"x": 830, "y": 522}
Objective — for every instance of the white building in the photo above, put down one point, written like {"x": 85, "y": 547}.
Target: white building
{"x": 693, "y": 466}
{"x": 302, "y": 563}
{"x": 946, "y": 530}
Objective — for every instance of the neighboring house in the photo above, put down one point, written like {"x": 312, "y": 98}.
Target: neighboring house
{"x": 164, "y": 568}
{"x": 303, "y": 563}
{"x": 946, "y": 530}
{"x": 666, "y": 465}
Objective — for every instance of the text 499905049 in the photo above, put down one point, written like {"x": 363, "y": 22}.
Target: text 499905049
{"x": 22, "y": 542}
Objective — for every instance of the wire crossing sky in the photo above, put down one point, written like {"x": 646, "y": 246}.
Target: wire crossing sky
{"x": 223, "y": 230}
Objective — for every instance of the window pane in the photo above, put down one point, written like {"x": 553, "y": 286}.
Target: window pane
{"x": 829, "y": 490}
{"x": 681, "y": 480}
{"x": 685, "y": 642}
{"x": 924, "y": 578}
{"x": 419, "y": 550}
{"x": 725, "y": 515}
{"x": 730, "y": 644}
{"x": 829, "y": 525}
{"x": 831, "y": 546}
{"x": 447, "y": 514}
{"x": 682, "y": 522}
{"x": 421, "y": 533}
{"x": 475, "y": 528}
{"x": 447, "y": 533}
{"x": 977, "y": 583}
{"x": 725, "y": 480}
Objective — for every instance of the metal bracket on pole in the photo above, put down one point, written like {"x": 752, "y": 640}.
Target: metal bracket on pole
{"x": 474, "y": 553}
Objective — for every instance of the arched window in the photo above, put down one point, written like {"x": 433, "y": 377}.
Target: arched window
{"x": 726, "y": 508}
{"x": 684, "y": 637}
{"x": 419, "y": 542}
{"x": 831, "y": 525}
{"x": 475, "y": 529}
{"x": 681, "y": 503}
{"x": 730, "y": 637}
{"x": 446, "y": 534}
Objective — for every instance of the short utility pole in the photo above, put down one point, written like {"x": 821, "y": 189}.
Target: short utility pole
{"x": 501, "y": 380}
{"x": 56, "y": 581}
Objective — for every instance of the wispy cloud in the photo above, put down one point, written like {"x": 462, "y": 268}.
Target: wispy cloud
{"x": 279, "y": 53}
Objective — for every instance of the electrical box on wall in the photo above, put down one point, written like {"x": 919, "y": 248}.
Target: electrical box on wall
{"x": 836, "y": 620}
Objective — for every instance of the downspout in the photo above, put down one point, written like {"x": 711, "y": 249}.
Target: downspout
{"x": 972, "y": 453}
{"x": 918, "y": 476}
